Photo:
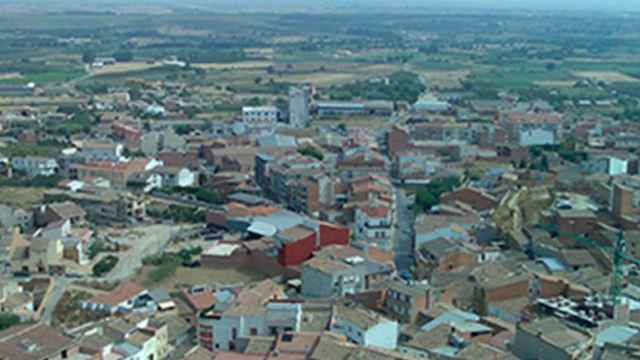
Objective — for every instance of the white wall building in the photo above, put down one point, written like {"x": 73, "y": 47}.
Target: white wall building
{"x": 299, "y": 99}
{"x": 259, "y": 115}
{"x": 365, "y": 328}
{"x": 35, "y": 166}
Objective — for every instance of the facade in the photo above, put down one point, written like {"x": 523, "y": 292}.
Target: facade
{"x": 120, "y": 300}
{"x": 35, "y": 166}
{"x": 260, "y": 115}
{"x": 365, "y": 327}
{"x": 404, "y": 302}
{"x": 374, "y": 225}
{"x": 339, "y": 108}
{"x": 101, "y": 151}
{"x": 299, "y": 106}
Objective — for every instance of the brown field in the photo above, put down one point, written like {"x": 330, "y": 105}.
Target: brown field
{"x": 235, "y": 66}
{"x": 354, "y": 122}
{"x": 195, "y": 276}
{"x": 445, "y": 79}
{"x": 556, "y": 83}
{"x": 124, "y": 67}
{"x": 22, "y": 197}
{"x": 608, "y": 76}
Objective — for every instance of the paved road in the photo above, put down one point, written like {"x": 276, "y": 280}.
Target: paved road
{"x": 59, "y": 287}
{"x": 403, "y": 242}
{"x": 153, "y": 240}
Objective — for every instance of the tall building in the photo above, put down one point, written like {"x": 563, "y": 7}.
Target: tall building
{"x": 299, "y": 99}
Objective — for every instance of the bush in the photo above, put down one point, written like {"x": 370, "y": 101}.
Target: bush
{"x": 105, "y": 265}
{"x": 428, "y": 196}
{"x": 8, "y": 320}
{"x": 311, "y": 151}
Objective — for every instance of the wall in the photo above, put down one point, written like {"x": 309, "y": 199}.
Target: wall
{"x": 333, "y": 235}
{"x": 295, "y": 253}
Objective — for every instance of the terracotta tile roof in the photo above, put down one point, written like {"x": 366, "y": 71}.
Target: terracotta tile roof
{"x": 375, "y": 212}
{"x": 199, "y": 301}
{"x": 133, "y": 166}
{"x": 33, "y": 342}
{"x": 122, "y": 293}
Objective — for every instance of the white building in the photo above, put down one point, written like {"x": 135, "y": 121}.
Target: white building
{"x": 35, "y": 166}
{"x": 364, "y": 327}
{"x": 538, "y": 136}
{"x": 94, "y": 150}
{"x": 374, "y": 225}
{"x": 299, "y": 99}
{"x": 176, "y": 176}
{"x": 260, "y": 115}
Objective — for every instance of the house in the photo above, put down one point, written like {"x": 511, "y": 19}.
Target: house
{"x": 118, "y": 174}
{"x": 176, "y": 176}
{"x": 35, "y": 166}
{"x": 404, "y": 301}
{"x": 57, "y": 212}
{"x": 444, "y": 255}
{"x": 101, "y": 150}
{"x": 339, "y": 270}
{"x": 104, "y": 206}
{"x": 478, "y": 199}
{"x": 373, "y": 225}
{"x": 364, "y": 327}
{"x": 549, "y": 339}
{"x": 254, "y": 312}
{"x": 11, "y": 217}
{"x": 36, "y": 342}
{"x": 119, "y": 300}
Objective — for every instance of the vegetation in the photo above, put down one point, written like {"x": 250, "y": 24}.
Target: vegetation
{"x": 37, "y": 181}
{"x": 105, "y": 265}
{"x": 179, "y": 213}
{"x": 199, "y": 193}
{"x": 311, "y": 151}
{"x": 165, "y": 265}
{"x": 428, "y": 196}
{"x": 399, "y": 86}
{"x": 8, "y": 320}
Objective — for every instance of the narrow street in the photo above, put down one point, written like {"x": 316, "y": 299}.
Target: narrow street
{"x": 403, "y": 241}
{"x": 53, "y": 297}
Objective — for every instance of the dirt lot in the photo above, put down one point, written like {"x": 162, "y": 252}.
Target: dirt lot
{"x": 235, "y": 65}
{"x": 445, "y": 79}
{"x": 9, "y": 76}
{"x": 125, "y": 67}
{"x": 608, "y": 76}
{"x": 22, "y": 197}
{"x": 195, "y": 276}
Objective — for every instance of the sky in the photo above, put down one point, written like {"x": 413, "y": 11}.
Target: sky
{"x": 283, "y": 5}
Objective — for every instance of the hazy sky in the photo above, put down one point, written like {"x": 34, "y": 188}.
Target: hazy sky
{"x": 283, "y": 5}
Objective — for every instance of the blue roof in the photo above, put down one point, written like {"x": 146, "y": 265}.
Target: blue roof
{"x": 616, "y": 334}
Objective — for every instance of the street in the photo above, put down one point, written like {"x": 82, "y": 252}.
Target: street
{"x": 403, "y": 241}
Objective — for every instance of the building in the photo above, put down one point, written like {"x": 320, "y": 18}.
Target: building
{"x": 119, "y": 300}
{"x": 118, "y": 174}
{"x": 336, "y": 108}
{"x": 364, "y": 327}
{"x": 35, "y": 166}
{"x": 336, "y": 271}
{"x": 548, "y": 339}
{"x": 254, "y": 312}
{"x": 100, "y": 150}
{"x": 405, "y": 301}
{"x": 36, "y": 342}
{"x": 57, "y": 212}
{"x": 173, "y": 176}
{"x": 104, "y": 206}
{"x": 374, "y": 225}
{"x": 299, "y": 106}
{"x": 260, "y": 115}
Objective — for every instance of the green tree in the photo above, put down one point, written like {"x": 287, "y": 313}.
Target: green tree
{"x": 311, "y": 151}
{"x": 8, "y": 320}
{"x": 88, "y": 56}
{"x": 123, "y": 55}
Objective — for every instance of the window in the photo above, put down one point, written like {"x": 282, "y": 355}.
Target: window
{"x": 234, "y": 333}
{"x": 253, "y": 331}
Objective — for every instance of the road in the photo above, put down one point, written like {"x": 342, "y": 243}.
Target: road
{"x": 154, "y": 239}
{"x": 53, "y": 297}
{"x": 403, "y": 239}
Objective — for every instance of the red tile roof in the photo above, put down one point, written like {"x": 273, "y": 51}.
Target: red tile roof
{"x": 199, "y": 301}
{"x": 124, "y": 292}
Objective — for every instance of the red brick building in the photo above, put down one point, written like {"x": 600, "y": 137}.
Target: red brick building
{"x": 298, "y": 244}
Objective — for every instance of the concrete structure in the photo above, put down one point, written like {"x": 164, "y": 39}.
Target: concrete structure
{"x": 335, "y": 108}
{"x": 260, "y": 115}
{"x": 299, "y": 112}
{"x": 548, "y": 339}
{"x": 364, "y": 327}
{"x": 35, "y": 166}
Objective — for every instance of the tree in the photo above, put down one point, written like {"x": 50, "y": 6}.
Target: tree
{"x": 550, "y": 66}
{"x": 311, "y": 151}
{"x": 123, "y": 55}
{"x": 8, "y": 320}
{"x": 88, "y": 56}
{"x": 257, "y": 80}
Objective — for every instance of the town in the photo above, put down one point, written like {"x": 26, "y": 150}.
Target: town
{"x": 183, "y": 182}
